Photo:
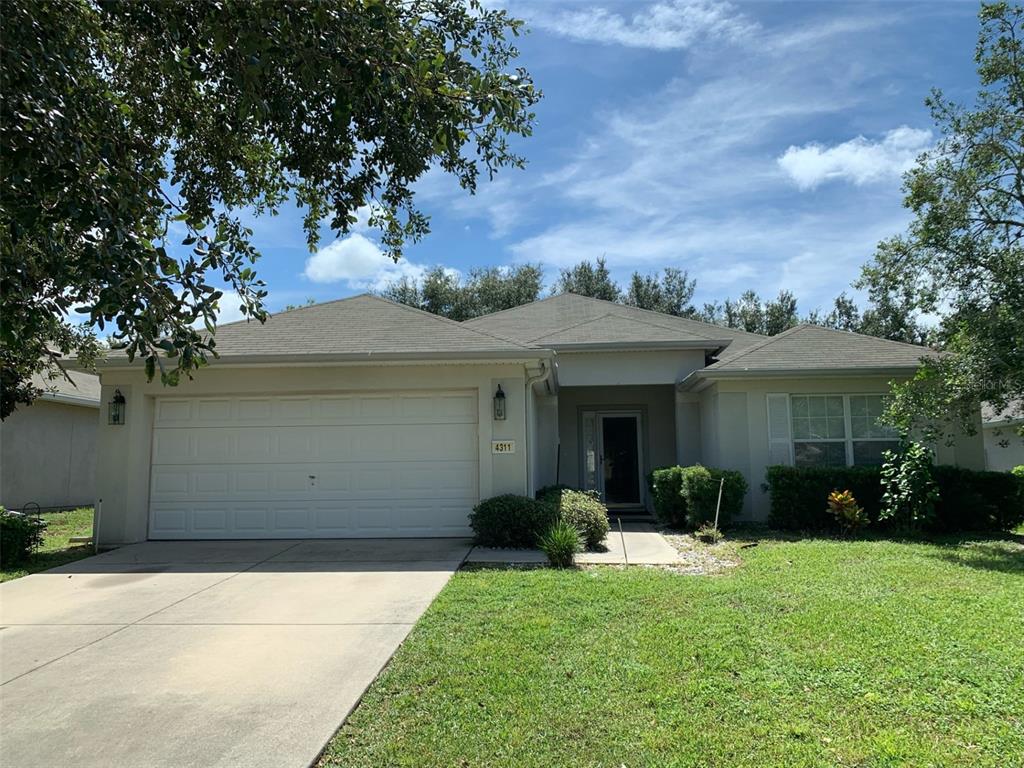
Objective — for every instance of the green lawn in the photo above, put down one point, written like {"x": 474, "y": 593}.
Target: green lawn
{"x": 55, "y": 549}
{"x": 811, "y": 653}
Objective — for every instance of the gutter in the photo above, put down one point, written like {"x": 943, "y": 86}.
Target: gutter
{"x": 358, "y": 358}
{"x": 60, "y": 397}
{"x": 544, "y": 375}
{"x": 626, "y": 346}
{"x": 693, "y": 380}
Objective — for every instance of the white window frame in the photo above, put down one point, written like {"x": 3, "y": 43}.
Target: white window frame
{"x": 848, "y": 439}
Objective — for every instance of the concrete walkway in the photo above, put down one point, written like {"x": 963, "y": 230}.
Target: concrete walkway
{"x": 205, "y": 653}
{"x": 643, "y": 546}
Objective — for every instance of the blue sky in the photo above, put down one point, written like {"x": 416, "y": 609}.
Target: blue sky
{"x": 757, "y": 145}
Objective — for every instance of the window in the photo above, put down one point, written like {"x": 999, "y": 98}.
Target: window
{"x": 839, "y": 430}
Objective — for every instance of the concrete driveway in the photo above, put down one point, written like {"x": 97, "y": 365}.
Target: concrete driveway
{"x": 205, "y": 653}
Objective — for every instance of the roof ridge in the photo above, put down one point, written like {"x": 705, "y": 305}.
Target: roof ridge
{"x": 763, "y": 344}
{"x": 869, "y": 336}
{"x": 569, "y": 327}
{"x": 295, "y": 309}
{"x": 440, "y": 318}
{"x": 512, "y": 309}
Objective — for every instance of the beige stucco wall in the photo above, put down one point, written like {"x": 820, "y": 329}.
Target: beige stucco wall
{"x": 123, "y": 471}
{"x": 658, "y": 439}
{"x": 48, "y": 455}
{"x": 1004, "y": 448}
{"x": 594, "y": 369}
{"x": 735, "y": 424}
{"x": 545, "y": 439}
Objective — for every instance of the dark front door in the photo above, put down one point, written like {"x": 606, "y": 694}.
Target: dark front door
{"x": 621, "y": 459}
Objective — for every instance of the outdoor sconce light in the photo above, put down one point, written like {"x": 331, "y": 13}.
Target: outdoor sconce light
{"x": 499, "y": 405}
{"x": 115, "y": 409}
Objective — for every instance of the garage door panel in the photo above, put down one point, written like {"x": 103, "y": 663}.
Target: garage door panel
{"x": 313, "y": 410}
{"x": 247, "y": 445}
{"x": 380, "y": 464}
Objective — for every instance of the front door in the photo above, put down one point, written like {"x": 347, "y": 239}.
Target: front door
{"x": 611, "y": 456}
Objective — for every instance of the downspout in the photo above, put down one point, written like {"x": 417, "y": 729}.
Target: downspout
{"x": 545, "y": 372}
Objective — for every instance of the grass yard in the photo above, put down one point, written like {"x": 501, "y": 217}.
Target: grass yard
{"x": 810, "y": 653}
{"x": 55, "y": 549}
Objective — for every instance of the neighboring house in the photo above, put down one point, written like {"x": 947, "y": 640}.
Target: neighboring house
{"x": 1004, "y": 446}
{"x": 362, "y": 417}
{"x": 48, "y": 449}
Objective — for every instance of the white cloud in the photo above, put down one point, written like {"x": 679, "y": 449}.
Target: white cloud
{"x": 858, "y": 160}
{"x": 358, "y": 262}
{"x": 662, "y": 26}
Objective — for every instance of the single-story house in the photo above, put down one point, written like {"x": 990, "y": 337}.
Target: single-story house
{"x": 48, "y": 449}
{"x": 366, "y": 418}
{"x": 1004, "y": 445}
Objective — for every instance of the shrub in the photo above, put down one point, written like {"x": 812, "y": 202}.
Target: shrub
{"x": 796, "y": 494}
{"x": 666, "y": 486}
{"x": 969, "y": 500}
{"x": 1018, "y": 471}
{"x": 19, "y": 535}
{"x": 583, "y": 512}
{"x": 847, "y": 512}
{"x": 685, "y": 497}
{"x": 510, "y": 521}
{"x": 700, "y": 494}
{"x": 560, "y": 543}
{"x": 709, "y": 534}
{"x": 910, "y": 490}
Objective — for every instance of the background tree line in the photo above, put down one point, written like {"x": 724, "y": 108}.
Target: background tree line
{"x": 492, "y": 289}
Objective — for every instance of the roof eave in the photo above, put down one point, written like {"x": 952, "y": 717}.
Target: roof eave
{"x": 626, "y": 346}
{"x": 66, "y": 399}
{"x": 504, "y": 355}
{"x": 690, "y": 382}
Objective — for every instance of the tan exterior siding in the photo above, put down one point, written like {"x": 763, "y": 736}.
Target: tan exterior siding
{"x": 48, "y": 455}
{"x": 1000, "y": 457}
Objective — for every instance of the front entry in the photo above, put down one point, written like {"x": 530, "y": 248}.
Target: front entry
{"x": 611, "y": 456}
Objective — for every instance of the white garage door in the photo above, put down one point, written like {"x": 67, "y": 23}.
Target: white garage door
{"x": 354, "y": 465}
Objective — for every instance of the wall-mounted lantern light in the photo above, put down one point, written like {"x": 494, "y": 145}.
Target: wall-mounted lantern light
{"x": 116, "y": 409}
{"x": 499, "y": 405}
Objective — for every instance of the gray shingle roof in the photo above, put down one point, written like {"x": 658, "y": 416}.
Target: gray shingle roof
{"x": 83, "y": 387}
{"x": 362, "y": 324}
{"x": 571, "y": 319}
{"x": 356, "y": 327}
{"x": 813, "y": 348}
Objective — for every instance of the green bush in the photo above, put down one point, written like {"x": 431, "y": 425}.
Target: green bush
{"x": 666, "y": 484}
{"x": 19, "y": 535}
{"x": 910, "y": 488}
{"x": 510, "y": 521}
{"x": 1018, "y": 471}
{"x": 969, "y": 500}
{"x": 685, "y": 497}
{"x": 700, "y": 494}
{"x": 560, "y": 543}
{"x": 583, "y": 511}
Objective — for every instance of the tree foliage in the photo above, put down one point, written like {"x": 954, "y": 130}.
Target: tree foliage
{"x": 129, "y": 129}
{"x": 586, "y": 279}
{"x": 671, "y": 294}
{"x": 962, "y": 256}
{"x": 486, "y": 290}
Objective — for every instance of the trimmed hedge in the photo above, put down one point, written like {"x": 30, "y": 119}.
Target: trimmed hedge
{"x": 686, "y": 497}
{"x": 583, "y": 511}
{"x": 969, "y": 500}
{"x": 511, "y": 521}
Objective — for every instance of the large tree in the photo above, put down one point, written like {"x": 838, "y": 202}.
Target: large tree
{"x": 132, "y": 128}
{"x": 962, "y": 256}
{"x": 586, "y": 279}
{"x": 485, "y": 290}
{"x": 671, "y": 294}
